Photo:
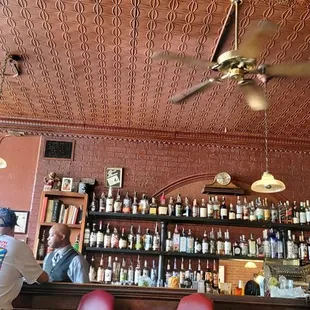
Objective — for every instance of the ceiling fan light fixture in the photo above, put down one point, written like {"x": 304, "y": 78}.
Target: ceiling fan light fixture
{"x": 3, "y": 163}
{"x": 268, "y": 184}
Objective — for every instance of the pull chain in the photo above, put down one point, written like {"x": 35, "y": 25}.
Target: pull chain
{"x": 266, "y": 131}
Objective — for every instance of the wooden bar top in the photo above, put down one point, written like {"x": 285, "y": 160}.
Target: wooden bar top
{"x": 60, "y": 296}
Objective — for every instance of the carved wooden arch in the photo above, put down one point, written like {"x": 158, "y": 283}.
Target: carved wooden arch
{"x": 192, "y": 186}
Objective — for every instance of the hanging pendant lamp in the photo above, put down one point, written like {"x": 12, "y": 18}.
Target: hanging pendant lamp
{"x": 3, "y": 163}
{"x": 267, "y": 183}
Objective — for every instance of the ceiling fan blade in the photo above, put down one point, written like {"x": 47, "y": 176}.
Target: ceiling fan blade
{"x": 251, "y": 46}
{"x": 193, "y": 90}
{"x": 297, "y": 69}
{"x": 165, "y": 55}
{"x": 254, "y": 95}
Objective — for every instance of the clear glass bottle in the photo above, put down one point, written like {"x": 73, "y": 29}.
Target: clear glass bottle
{"x": 267, "y": 215}
{"x": 130, "y": 274}
{"x": 145, "y": 270}
{"x": 246, "y": 210}
{"x": 102, "y": 202}
{"x": 171, "y": 211}
{"x": 190, "y": 242}
{"x": 308, "y": 212}
{"x": 116, "y": 271}
{"x": 100, "y": 270}
{"x": 117, "y": 205}
{"x": 195, "y": 211}
{"x": 138, "y": 239}
{"x": 182, "y": 273}
{"x": 163, "y": 208}
{"x": 295, "y": 213}
{"x": 212, "y": 242}
{"x": 109, "y": 201}
{"x": 273, "y": 244}
{"x": 115, "y": 239}
{"x": 147, "y": 240}
{"x": 176, "y": 239}
{"x": 187, "y": 208}
{"x": 183, "y": 241}
{"x": 289, "y": 245}
{"x": 239, "y": 210}
{"x": 232, "y": 213}
{"x": 205, "y": 243}
{"x": 259, "y": 209}
{"x": 127, "y": 204}
{"x": 92, "y": 270}
{"x": 274, "y": 214}
{"x": 302, "y": 214}
{"x": 203, "y": 209}
{"x": 266, "y": 244}
{"x": 220, "y": 243}
{"x": 135, "y": 205}
{"x": 156, "y": 239}
{"x": 210, "y": 212}
{"x": 131, "y": 239}
{"x": 197, "y": 246}
{"x": 138, "y": 272}
{"x": 252, "y": 247}
{"x": 169, "y": 243}
{"x": 123, "y": 273}
{"x": 227, "y": 244}
{"x": 216, "y": 208}
{"x": 93, "y": 236}
{"x": 107, "y": 237}
{"x": 154, "y": 274}
{"x": 223, "y": 209}
{"x": 86, "y": 236}
{"x": 100, "y": 236}
{"x": 123, "y": 243}
{"x": 178, "y": 206}
{"x": 108, "y": 272}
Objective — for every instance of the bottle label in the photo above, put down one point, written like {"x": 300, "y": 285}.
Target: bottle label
{"x": 210, "y": 210}
{"x": 267, "y": 214}
{"x": 176, "y": 242}
{"x": 203, "y": 212}
{"x": 227, "y": 247}
{"x": 138, "y": 245}
{"x": 109, "y": 205}
{"x": 108, "y": 275}
{"x": 117, "y": 206}
{"x": 183, "y": 244}
{"x": 162, "y": 210}
{"x": 92, "y": 274}
{"x": 86, "y": 236}
{"x": 122, "y": 244}
{"x": 205, "y": 247}
{"x": 190, "y": 245}
{"x": 303, "y": 218}
{"x": 100, "y": 238}
{"x": 239, "y": 210}
{"x": 260, "y": 213}
{"x": 168, "y": 245}
{"x": 130, "y": 275}
{"x": 93, "y": 239}
{"x": 107, "y": 241}
{"x": 197, "y": 247}
{"x": 223, "y": 212}
{"x": 308, "y": 215}
{"x": 274, "y": 216}
{"x": 100, "y": 274}
{"x": 137, "y": 276}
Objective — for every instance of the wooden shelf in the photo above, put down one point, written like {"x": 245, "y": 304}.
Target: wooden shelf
{"x": 63, "y": 194}
{"x": 197, "y": 220}
{"x": 78, "y": 226}
{"x": 122, "y": 251}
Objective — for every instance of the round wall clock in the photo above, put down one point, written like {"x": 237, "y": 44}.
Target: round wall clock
{"x": 223, "y": 178}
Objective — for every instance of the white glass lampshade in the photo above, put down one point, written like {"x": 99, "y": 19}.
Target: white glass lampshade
{"x": 250, "y": 265}
{"x": 3, "y": 163}
{"x": 268, "y": 184}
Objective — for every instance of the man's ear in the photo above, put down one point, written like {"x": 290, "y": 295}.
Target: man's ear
{"x": 62, "y": 237}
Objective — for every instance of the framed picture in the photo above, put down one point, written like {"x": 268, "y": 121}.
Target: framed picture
{"x": 114, "y": 177}
{"x": 22, "y": 222}
{"x": 66, "y": 184}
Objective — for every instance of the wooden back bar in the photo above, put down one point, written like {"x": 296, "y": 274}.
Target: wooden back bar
{"x": 66, "y": 296}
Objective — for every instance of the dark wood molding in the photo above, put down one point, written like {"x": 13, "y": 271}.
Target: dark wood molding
{"x": 77, "y": 130}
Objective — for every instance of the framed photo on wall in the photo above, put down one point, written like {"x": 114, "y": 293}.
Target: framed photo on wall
{"x": 66, "y": 184}
{"x": 114, "y": 177}
{"x": 22, "y": 222}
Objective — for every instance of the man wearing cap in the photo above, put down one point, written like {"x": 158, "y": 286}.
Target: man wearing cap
{"x": 16, "y": 261}
{"x": 64, "y": 264}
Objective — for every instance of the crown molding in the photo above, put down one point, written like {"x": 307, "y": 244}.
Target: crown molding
{"x": 228, "y": 140}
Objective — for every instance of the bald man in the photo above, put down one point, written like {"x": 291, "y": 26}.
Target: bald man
{"x": 64, "y": 264}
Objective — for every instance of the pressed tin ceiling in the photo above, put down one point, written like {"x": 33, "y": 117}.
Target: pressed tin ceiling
{"x": 89, "y": 63}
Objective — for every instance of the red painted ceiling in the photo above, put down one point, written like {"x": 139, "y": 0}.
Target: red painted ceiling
{"x": 88, "y": 63}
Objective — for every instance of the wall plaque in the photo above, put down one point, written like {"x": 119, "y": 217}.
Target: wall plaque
{"x": 59, "y": 149}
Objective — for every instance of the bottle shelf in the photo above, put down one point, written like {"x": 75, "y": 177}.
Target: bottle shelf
{"x": 122, "y": 251}
{"x": 78, "y": 226}
{"x": 197, "y": 220}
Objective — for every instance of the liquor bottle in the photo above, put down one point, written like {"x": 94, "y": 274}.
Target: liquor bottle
{"x": 253, "y": 216}
{"x": 176, "y": 239}
{"x": 171, "y": 210}
{"x": 210, "y": 212}
{"x": 92, "y": 270}
{"x": 197, "y": 246}
{"x": 266, "y": 244}
{"x": 195, "y": 211}
{"x": 93, "y": 236}
{"x": 168, "y": 272}
{"x": 175, "y": 272}
{"x": 227, "y": 244}
{"x": 182, "y": 273}
{"x": 169, "y": 243}
{"x": 208, "y": 273}
{"x": 308, "y": 212}
{"x": 109, "y": 201}
{"x": 246, "y": 210}
{"x": 131, "y": 239}
{"x": 100, "y": 271}
{"x": 244, "y": 246}
{"x": 259, "y": 209}
{"x": 178, "y": 206}
{"x": 107, "y": 237}
{"x": 308, "y": 248}
{"x": 154, "y": 274}
{"x": 223, "y": 209}
{"x": 137, "y": 272}
{"x": 252, "y": 246}
{"x": 296, "y": 247}
{"x": 138, "y": 239}
{"x": 266, "y": 209}
{"x": 187, "y": 208}
{"x": 239, "y": 210}
{"x": 127, "y": 203}
{"x": 163, "y": 208}
{"x": 189, "y": 272}
{"x": 190, "y": 242}
{"x": 199, "y": 273}
{"x": 282, "y": 212}
{"x": 43, "y": 245}
{"x": 289, "y": 213}
{"x": 108, "y": 272}
{"x": 147, "y": 240}
{"x": 117, "y": 205}
{"x": 87, "y": 235}
{"x": 205, "y": 243}
{"x": 232, "y": 213}
{"x": 123, "y": 273}
{"x": 274, "y": 214}
{"x": 289, "y": 245}
{"x": 130, "y": 274}
{"x": 116, "y": 268}
{"x": 123, "y": 244}
{"x": 145, "y": 270}
{"x": 220, "y": 243}
{"x": 102, "y": 203}
{"x": 260, "y": 248}
{"x": 302, "y": 214}
{"x": 280, "y": 250}
{"x": 303, "y": 251}
{"x": 216, "y": 208}
{"x": 236, "y": 249}
{"x": 153, "y": 206}
{"x": 94, "y": 204}
{"x": 273, "y": 244}
{"x": 203, "y": 209}
{"x": 212, "y": 242}
{"x": 115, "y": 239}
{"x": 144, "y": 207}
{"x": 156, "y": 239}
{"x": 135, "y": 205}
{"x": 295, "y": 213}
{"x": 183, "y": 241}
{"x": 215, "y": 277}
{"x": 100, "y": 236}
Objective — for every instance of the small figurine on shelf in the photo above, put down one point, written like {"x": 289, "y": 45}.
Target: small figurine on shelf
{"x": 52, "y": 182}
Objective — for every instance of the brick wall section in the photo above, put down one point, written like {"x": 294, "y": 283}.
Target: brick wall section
{"x": 149, "y": 166}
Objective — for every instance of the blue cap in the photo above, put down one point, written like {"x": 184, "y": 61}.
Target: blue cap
{"x": 8, "y": 218}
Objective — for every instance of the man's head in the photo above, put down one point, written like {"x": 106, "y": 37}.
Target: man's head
{"x": 8, "y": 220}
{"x": 59, "y": 236}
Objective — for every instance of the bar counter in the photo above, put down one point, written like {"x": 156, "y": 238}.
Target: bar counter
{"x": 66, "y": 296}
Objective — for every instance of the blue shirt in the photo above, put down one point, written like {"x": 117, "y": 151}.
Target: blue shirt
{"x": 78, "y": 268}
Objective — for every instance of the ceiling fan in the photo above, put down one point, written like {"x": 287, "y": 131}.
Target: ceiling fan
{"x": 236, "y": 64}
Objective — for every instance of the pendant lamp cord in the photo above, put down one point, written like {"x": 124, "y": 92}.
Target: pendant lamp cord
{"x": 266, "y": 132}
